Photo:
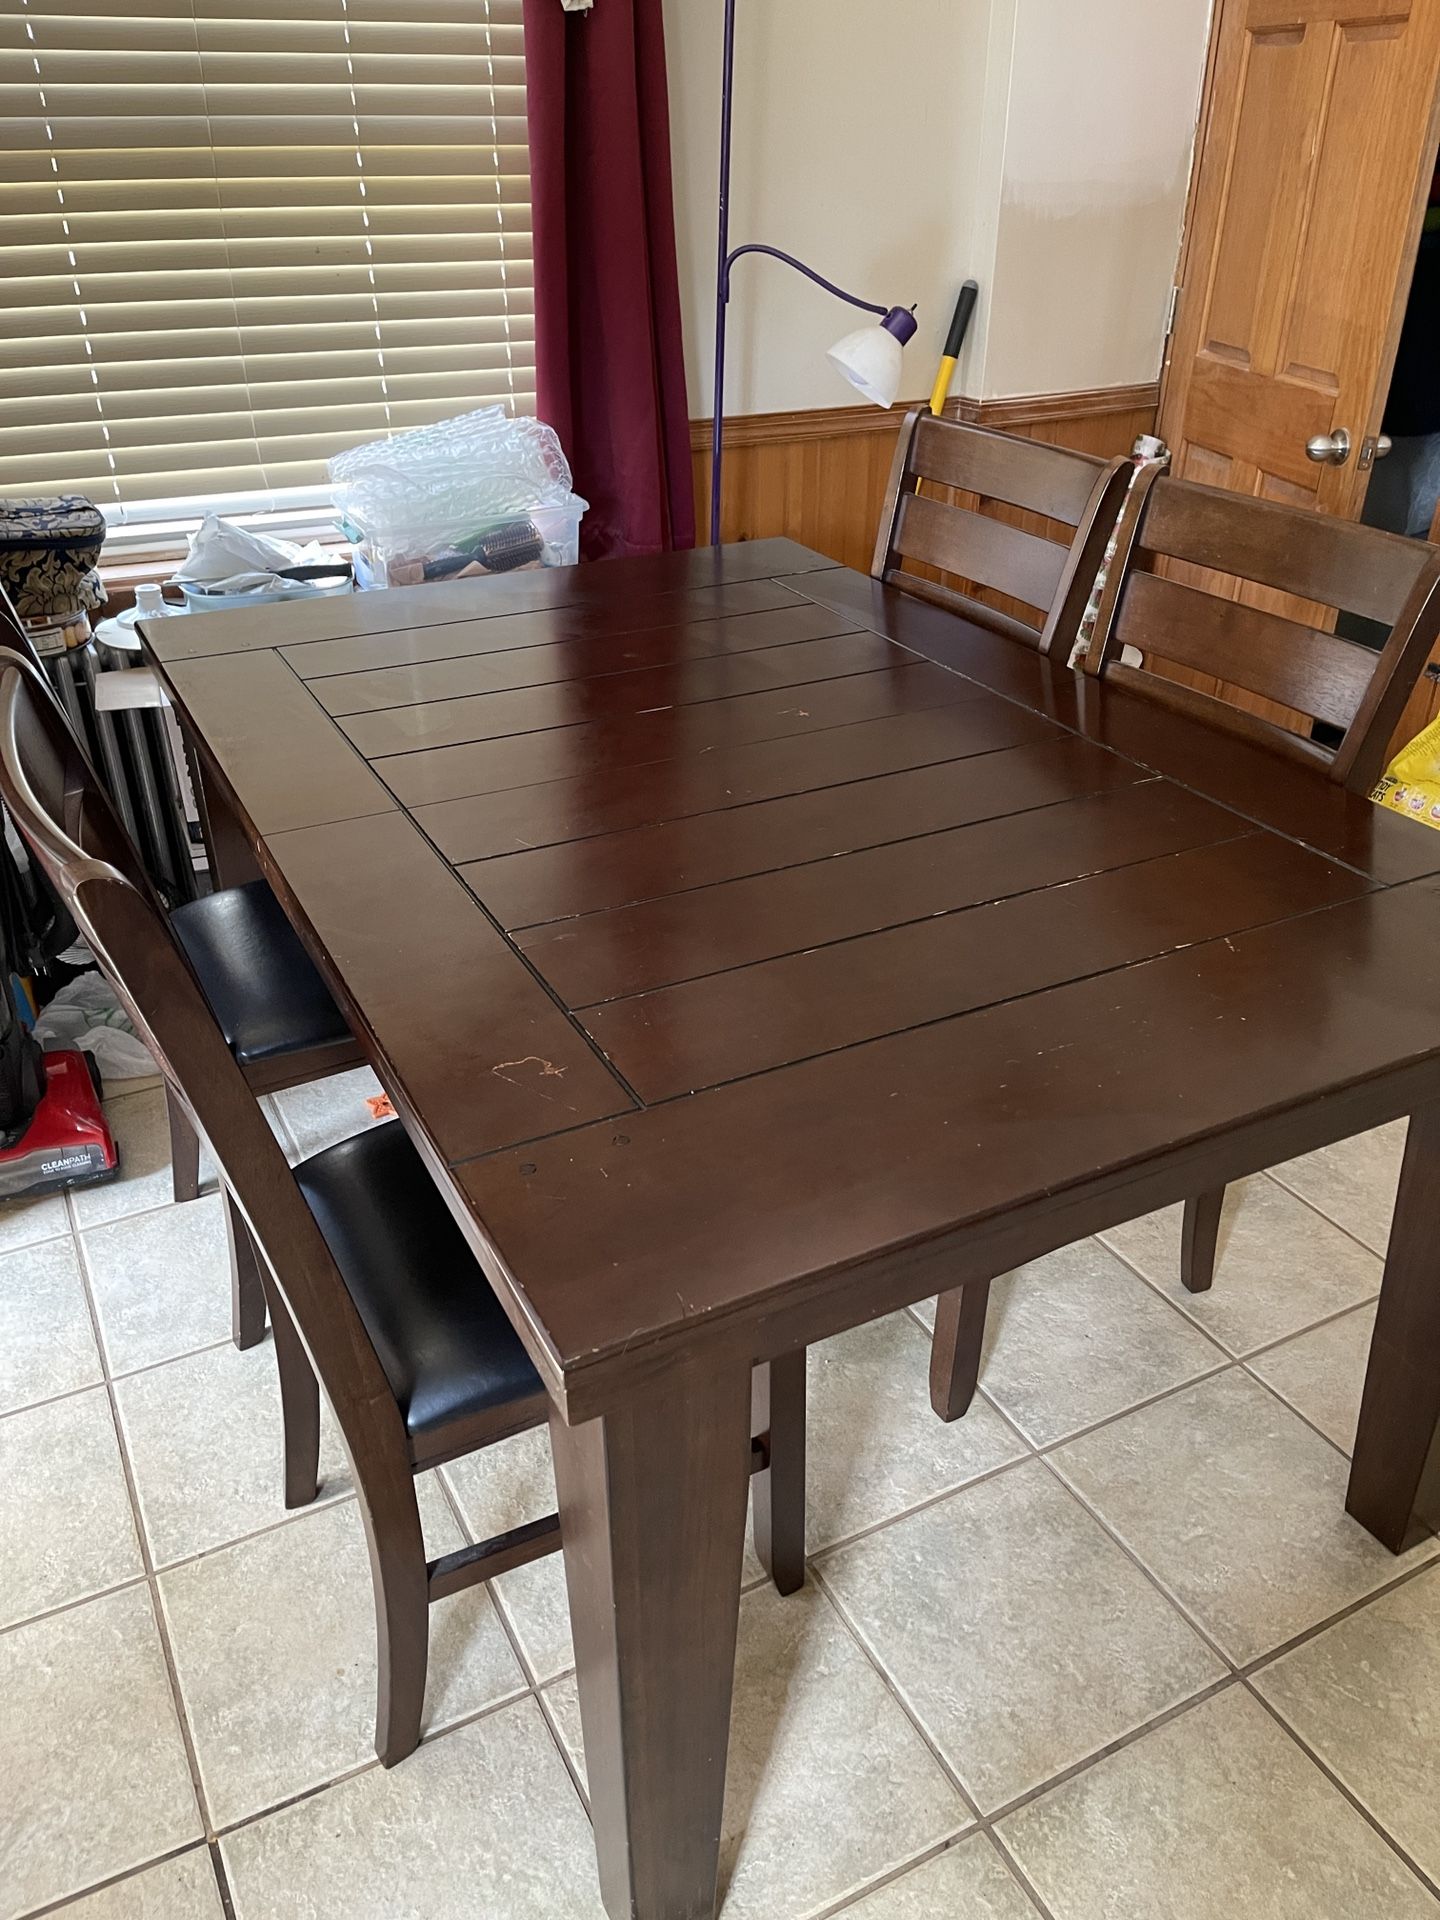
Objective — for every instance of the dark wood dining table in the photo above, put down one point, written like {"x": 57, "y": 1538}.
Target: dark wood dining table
{"x": 752, "y": 950}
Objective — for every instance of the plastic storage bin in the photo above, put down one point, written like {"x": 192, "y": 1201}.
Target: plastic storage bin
{"x": 543, "y": 537}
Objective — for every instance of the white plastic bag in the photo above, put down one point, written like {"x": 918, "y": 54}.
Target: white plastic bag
{"x": 231, "y": 560}
{"x": 86, "y": 1014}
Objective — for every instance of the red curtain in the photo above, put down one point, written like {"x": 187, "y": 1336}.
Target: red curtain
{"x": 611, "y": 369}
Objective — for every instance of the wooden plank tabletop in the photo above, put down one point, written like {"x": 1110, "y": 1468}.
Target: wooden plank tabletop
{"x": 760, "y": 948}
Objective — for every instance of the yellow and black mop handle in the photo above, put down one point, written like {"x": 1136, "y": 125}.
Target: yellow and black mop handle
{"x": 959, "y": 326}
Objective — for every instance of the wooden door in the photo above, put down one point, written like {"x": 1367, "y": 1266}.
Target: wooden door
{"x": 1317, "y": 146}
{"x": 1316, "y": 153}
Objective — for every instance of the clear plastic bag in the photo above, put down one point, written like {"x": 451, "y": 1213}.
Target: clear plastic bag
{"x": 434, "y": 490}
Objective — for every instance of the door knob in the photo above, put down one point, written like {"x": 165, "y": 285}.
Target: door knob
{"x": 1383, "y": 445}
{"x": 1329, "y": 449}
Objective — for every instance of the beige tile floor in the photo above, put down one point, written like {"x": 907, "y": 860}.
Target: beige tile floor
{"x": 1108, "y": 1649}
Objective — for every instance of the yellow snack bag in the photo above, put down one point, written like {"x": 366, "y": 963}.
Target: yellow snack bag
{"x": 1411, "y": 783}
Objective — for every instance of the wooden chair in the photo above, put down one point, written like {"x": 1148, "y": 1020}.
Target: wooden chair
{"x": 367, "y": 1275}
{"x": 1288, "y": 667}
{"x": 1295, "y": 670}
{"x": 1048, "y": 575}
{"x": 278, "y": 1016}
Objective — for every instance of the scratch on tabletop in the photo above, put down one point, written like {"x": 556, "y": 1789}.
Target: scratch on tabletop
{"x": 547, "y": 1068}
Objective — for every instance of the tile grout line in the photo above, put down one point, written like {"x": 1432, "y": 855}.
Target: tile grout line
{"x": 1265, "y": 1346}
{"x": 579, "y": 1781}
{"x": 979, "y": 1823}
{"x": 1231, "y": 1363}
{"x": 1175, "y": 1711}
{"x": 1242, "y": 1669}
{"x": 157, "y": 1610}
{"x": 1262, "y": 1662}
{"x": 1227, "y": 1362}
{"x": 1270, "y": 1173}
{"x": 1173, "y": 1600}
{"x": 847, "y": 1902}
{"x": 974, "y": 1817}
{"x": 467, "y": 1534}
{"x": 987, "y": 1823}
{"x": 1345, "y": 1454}
{"x": 1335, "y": 1780}
{"x": 77, "y": 1600}
{"x": 1240, "y": 1672}
{"x": 318, "y": 1505}
{"x": 817, "y": 1556}
{"x": 360, "y": 1769}
{"x": 120, "y": 1879}
{"x": 534, "y": 1689}
{"x": 1002, "y": 1847}
{"x": 72, "y": 1393}
{"x": 222, "y": 1879}
{"x": 1268, "y": 1347}
{"x": 1044, "y": 1448}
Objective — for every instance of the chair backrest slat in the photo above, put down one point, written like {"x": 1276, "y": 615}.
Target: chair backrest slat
{"x": 1214, "y": 626}
{"x": 54, "y": 799}
{"x": 986, "y": 551}
{"x": 1000, "y": 537}
{"x": 1265, "y": 653}
{"x": 1055, "y": 481}
{"x": 1311, "y": 555}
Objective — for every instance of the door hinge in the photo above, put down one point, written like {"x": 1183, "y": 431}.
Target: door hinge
{"x": 1170, "y": 311}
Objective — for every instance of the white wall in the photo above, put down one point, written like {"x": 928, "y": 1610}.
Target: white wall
{"x": 856, "y": 130}
{"x": 899, "y": 146}
{"x": 1102, "y": 103}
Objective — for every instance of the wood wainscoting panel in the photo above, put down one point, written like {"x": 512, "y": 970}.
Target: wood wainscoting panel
{"x": 819, "y": 476}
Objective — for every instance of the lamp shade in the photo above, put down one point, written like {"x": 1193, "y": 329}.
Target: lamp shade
{"x": 870, "y": 357}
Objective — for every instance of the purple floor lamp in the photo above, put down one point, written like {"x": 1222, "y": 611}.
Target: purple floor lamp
{"x": 869, "y": 358}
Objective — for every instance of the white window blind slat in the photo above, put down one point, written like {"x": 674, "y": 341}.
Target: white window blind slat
{"x": 239, "y": 235}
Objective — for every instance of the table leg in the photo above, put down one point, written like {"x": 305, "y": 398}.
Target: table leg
{"x": 232, "y": 858}
{"x": 652, "y": 1515}
{"x": 1395, "y": 1478}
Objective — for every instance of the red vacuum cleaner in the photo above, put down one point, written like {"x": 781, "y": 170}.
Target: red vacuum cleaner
{"x": 53, "y": 1132}
{"x": 64, "y": 1142}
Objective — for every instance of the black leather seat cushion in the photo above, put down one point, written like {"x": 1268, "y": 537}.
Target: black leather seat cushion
{"x": 262, "y": 986}
{"x": 442, "y": 1336}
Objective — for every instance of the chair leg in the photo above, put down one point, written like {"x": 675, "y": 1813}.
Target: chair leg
{"x": 401, "y": 1581}
{"x": 299, "y": 1405}
{"x": 777, "y": 1409}
{"x": 184, "y": 1149}
{"x": 955, "y": 1348}
{"x": 1198, "y": 1234}
{"x": 299, "y": 1390}
{"x": 247, "y": 1289}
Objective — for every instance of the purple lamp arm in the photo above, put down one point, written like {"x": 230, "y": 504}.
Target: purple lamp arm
{"x": 722, "y": 302}
{"x": 775, "y": 253}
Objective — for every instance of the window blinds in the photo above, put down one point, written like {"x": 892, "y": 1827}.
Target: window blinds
{"x": 239, "y": 235}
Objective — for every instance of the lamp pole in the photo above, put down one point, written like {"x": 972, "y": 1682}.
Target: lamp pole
{"x": 899, "y": 321}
